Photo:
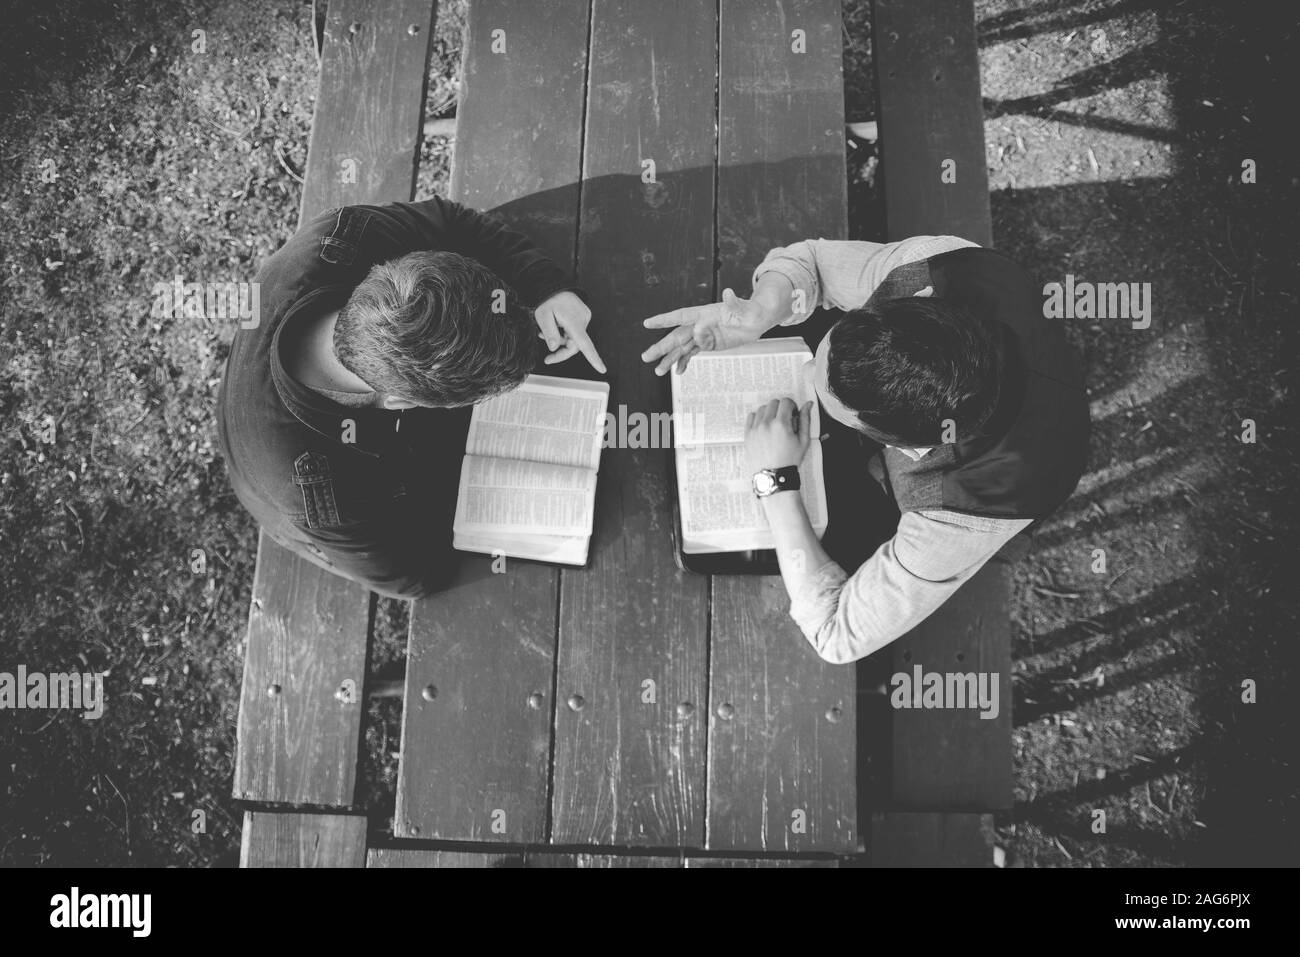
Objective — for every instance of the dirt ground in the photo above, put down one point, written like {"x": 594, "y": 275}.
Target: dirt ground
{"x": 1117, "y": 132}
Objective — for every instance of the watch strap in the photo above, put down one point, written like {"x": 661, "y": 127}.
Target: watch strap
{"x": 787, "y": 478}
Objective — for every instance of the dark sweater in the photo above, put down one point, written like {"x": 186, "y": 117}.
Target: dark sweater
{"x": 375, "y": 510}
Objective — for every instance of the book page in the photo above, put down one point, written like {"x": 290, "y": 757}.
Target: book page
{"x": 562, "y": 549}
{"x": 719, "y": 511}
{"x": 506, "y": 495}
{"x": 718, "y": 507}
{"x": 547, "y": 419}
{"x": 719, "y": 389}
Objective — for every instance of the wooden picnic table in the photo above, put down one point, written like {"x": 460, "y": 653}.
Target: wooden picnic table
{"x": 645, "y": 671}
{"x": 627, "y": 704}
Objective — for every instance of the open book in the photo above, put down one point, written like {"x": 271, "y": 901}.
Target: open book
{"x": 711, "y": 401}
{"x": 528, "y": 480}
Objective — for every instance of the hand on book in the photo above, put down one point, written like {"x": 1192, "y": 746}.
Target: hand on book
{"x": 709, "y": 328}
{"x": 563, "y": 320}
{"x": 778, "y": 434}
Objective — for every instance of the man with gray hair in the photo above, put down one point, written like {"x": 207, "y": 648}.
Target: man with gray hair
{"x": 344, "y": 404}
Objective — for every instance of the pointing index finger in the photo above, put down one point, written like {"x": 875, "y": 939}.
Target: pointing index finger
{"x": 587, "y": 348}
{"x": 666, "y": 320}
{"x": 674, "y": 340}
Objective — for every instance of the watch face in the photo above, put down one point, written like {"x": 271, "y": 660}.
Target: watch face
{"x": 764, "y": 483}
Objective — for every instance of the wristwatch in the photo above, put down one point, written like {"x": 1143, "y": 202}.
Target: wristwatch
{"x": 770, "y": 481}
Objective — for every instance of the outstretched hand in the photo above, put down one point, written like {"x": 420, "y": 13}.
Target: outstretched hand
{"x": 708, "y": 328}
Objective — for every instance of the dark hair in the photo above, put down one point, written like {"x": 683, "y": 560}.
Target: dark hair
{"x": 906, "y": 365}
{"x": 423, "y": 328}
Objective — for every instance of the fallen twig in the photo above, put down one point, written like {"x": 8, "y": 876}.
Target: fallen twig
{"x": 283, "y": 163}
{"x": 1057, "y": 842}
{"x": 1054, "y": 593}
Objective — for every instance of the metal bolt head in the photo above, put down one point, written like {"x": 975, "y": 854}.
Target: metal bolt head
{"x": 685, "y": 709}
{"x": 347, "y": 691}
{"x": 833, "y": 715}
{"x": 272, "y": 690}
{"x": 413, "y": 30}
{"x": 412, "y": 828}
{"x": 354, "y": 27}
{"x": 429, "y": 693}
{"x": 536, "y": 700}
{"x": 577, "y": 702}
{"x": 726, "y": 712}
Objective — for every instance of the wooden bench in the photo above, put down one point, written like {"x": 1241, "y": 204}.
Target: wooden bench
{"x": 305, "y": 665}
{"x": 931, "y": 119}
{"x": 570, "y": 713}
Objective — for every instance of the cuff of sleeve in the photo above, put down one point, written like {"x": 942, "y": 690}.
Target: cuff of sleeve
{"x": 817, "y": 599}
{"x": 538, "y": 292}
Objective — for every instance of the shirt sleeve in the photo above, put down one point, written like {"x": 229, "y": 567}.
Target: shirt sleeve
{"x": 931, "y": 555}
{"x": 844, "y": 274}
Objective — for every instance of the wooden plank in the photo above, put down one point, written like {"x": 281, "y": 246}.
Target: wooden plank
{"x": 307, "y": 627}
{"x": 756, "y": 862}
{"x": 629, "y": 765}
{"x": 369, "y": 103}
{"x": 419, "y": 858}
{"x": 952, "y": 759}
{"x": 921, "y": 839}
{"x": 782, "y": 764}
{"x": 543, "y": 859}
{"x": 928, "y": 83}
{"x": 519, "y": 117}
{"x": 626, "y": 860}
{"x": 475, "y": 759}
{"x": 299, "y": 728}
{"x": 550, "y": 860}
{"x": 273, "y": 839}
{"x": 927, "y": 66}
{"x": 474, "y": 756}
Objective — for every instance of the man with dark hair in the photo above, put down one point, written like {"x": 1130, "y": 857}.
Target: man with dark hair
{"x": 344, "y": 405}
{"x": 908, "y": 365}
{"x": 968, "y": 408}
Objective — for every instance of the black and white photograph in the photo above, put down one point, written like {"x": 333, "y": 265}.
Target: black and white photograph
{"x": 675, "y": 434}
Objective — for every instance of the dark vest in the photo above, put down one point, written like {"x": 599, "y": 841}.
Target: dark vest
{"x": 1032, "y": 451}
